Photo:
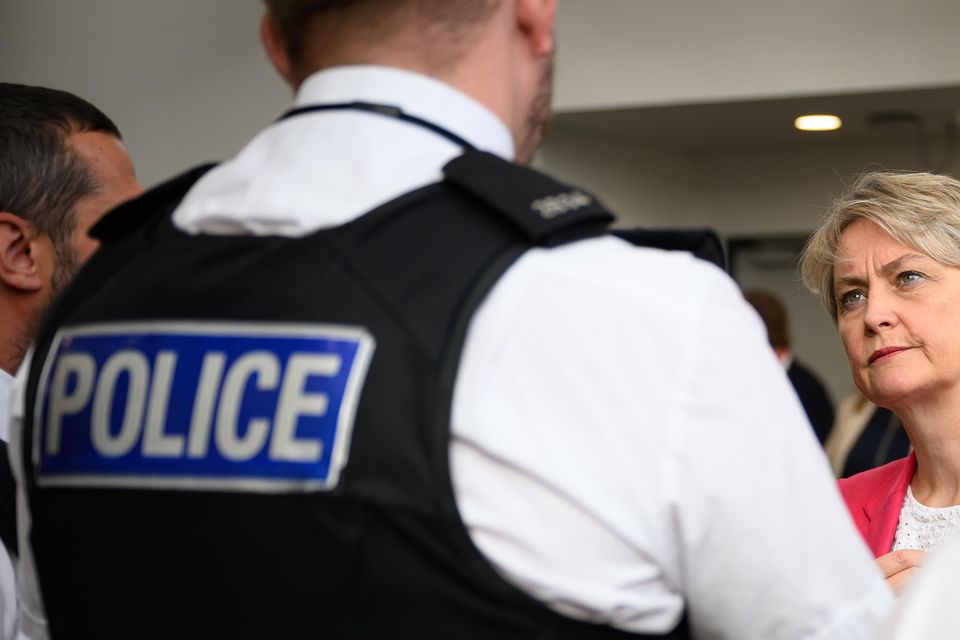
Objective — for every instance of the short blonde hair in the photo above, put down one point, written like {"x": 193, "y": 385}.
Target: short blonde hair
{"x": 921, "y": 210}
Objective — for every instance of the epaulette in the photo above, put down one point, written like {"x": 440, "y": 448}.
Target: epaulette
{"x": 547, "y": 211}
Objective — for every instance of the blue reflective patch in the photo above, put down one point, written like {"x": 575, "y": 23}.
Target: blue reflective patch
{"x": 221, "y": 406}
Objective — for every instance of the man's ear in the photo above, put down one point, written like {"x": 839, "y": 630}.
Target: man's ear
{"x": 276, "y": 50}
{"x": 18, "y": 262}
{"x": 535, "y": 20}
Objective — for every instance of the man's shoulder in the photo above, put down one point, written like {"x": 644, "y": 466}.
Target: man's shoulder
{"x": 646, "y": 287}
{"x": 615, "y": 262}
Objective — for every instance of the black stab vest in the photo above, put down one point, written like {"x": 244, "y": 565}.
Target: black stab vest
{"x": 382, "y": 553}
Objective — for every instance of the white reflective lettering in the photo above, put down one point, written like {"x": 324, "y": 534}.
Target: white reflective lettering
{"x": 553, "y": 206}
{"x": 84, "y": 367}
{"x": 210, "y": 375}
{"x": 135, "y": 366}
{"x": 267, "y": 371}
{"x": 295, "y": 402}
{"x": 155, "y": 441}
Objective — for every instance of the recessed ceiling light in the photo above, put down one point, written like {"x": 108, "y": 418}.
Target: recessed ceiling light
{"x": 820, "y": 122}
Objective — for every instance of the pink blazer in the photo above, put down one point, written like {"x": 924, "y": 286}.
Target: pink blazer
{"x": 875, "y": 498}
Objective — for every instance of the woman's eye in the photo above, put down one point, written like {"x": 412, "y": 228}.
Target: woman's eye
{"x": 851, "y": 298}
{"x": 910, "y": 277}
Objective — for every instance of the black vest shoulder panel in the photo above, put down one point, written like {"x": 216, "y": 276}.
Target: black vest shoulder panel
{"x": 187, "y": 546}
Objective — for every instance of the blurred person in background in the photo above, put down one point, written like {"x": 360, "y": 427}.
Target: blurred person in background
{"x": 813, "y": 395}
{"x": 864, "y": 436}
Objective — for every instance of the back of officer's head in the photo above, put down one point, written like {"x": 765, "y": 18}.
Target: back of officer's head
{"x": 324, "y": 33}
{"x": 41, "y": 177}
{"x": 499, "y": 52}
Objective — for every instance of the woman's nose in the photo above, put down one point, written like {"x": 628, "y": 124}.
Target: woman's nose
{"x": 881, "y": 311}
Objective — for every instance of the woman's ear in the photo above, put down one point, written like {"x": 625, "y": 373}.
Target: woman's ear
{"x": 18, "y": 260}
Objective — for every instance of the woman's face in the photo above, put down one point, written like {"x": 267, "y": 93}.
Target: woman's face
{"x": 899, "y": 318}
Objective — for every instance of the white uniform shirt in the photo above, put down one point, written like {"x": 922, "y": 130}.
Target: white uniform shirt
{"x": 8, "y": 579}
{"x": 624, "y": 441}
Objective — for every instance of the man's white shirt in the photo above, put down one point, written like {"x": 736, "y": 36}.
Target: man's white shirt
{"x": 6, "y": 382}
{"x": 8, "y": 578}
{"x": 623, "y": 440}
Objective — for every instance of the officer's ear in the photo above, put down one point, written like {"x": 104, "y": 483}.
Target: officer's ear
{"x": 276, "y": 49}
{"x": 18, "y": 253}
{"x": 535, "y": 20}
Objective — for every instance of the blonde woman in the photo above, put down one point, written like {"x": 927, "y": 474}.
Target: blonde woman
{"x": 886, "y": 264}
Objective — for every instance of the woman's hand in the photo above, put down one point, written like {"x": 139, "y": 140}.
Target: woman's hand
{"x": 899, "y": 566}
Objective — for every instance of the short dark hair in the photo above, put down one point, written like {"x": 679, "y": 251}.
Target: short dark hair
{"x": 297, "y": 19}
{"x": 41, "y": 178}
{"x": 773, "y": 314}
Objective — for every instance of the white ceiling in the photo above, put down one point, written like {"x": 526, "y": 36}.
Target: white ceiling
{"x": 874, "y": 116}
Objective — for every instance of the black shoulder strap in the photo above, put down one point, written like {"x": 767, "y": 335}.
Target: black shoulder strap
{"x": 150, "y": 208}
{"x": 548, "y": 212}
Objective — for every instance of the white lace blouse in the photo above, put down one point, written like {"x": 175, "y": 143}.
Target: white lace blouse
{"x": 923, "y": 527}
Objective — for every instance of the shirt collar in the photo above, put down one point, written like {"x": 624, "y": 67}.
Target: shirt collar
{"x": 6, "y": 380}
{"x": 415, "y": 94}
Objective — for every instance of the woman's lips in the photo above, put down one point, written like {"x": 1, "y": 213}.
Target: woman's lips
{"x": 886, "y": 351}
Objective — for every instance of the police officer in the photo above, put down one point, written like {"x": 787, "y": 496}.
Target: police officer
{"x": 374, "y": 378}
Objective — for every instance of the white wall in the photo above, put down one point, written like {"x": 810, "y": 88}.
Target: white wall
{"x": 737, "y": 190}
{"x": 643, "y": 52}
{"x": 779, "y": 189}
{"x": 185, "y": 80}
{"x": 634, "y": 180}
